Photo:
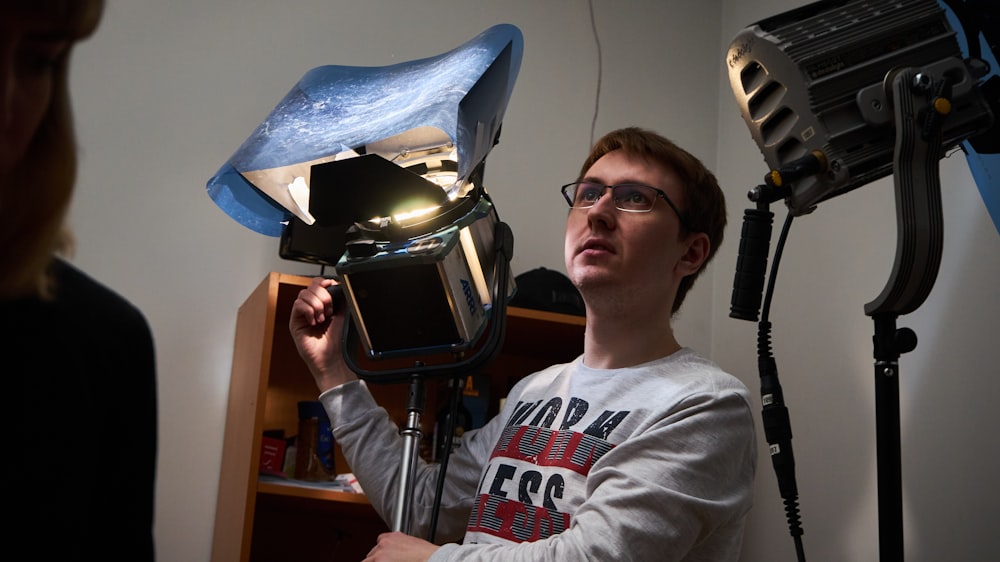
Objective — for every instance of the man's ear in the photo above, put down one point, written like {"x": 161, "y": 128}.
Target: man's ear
{"x": 698, "y": 247}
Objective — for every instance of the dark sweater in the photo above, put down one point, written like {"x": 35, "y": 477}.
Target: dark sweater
{"x": 81, "y": 375}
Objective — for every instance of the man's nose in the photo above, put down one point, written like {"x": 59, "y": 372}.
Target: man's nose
{"x": 603, "y": 210}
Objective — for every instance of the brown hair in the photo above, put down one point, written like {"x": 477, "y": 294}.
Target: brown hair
{"x": 36, "y": 194}
{"x": 703, "y": 203}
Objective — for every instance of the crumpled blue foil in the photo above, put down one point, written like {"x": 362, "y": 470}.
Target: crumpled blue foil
{"x": 333, "y": 109}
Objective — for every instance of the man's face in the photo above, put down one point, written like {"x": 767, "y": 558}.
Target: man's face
{"x": 616, "y": 253}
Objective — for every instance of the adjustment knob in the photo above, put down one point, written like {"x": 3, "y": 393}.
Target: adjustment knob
{"x": 905, "y": 340}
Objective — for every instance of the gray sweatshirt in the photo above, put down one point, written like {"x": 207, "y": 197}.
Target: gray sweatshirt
{"x": 649, "y": 463}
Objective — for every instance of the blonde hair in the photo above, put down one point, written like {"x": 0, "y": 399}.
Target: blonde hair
{"x": 36, "y": 194}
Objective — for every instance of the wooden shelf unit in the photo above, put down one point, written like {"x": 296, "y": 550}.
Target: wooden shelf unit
{"x": 266, "y": 520}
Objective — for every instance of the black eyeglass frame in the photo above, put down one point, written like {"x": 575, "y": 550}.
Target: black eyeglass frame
{"x": 659, "y": 193}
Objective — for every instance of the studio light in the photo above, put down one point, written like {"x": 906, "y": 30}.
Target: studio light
{"x": 377, "y": 172}
{"x": 817, "y": 82}
{"x": 837, "y": 94}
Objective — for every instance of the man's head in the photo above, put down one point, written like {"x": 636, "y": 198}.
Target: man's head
{"x": 687, "y": 184}
{"x": 37, "y": 145}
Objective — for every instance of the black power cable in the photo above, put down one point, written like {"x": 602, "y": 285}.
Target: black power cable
{"x": 454, "y": 398}
{"x": 746, "y": 303}
{"x": 777, "y": 425}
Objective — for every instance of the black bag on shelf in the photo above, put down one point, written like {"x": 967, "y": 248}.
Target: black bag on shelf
{"x": 548, "y": 290}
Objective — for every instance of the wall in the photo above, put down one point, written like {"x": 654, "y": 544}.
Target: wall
{"x": 166, "y": 91}
{"x": 836, "y": 260}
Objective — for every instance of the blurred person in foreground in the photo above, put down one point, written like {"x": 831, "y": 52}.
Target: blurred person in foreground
{"x": 77, "y": 357}
{"x": 640, "y": 449}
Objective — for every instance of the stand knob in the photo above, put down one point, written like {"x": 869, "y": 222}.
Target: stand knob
{"x": 905, "y": 340}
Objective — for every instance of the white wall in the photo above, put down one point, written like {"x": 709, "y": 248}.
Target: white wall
{"x": 836, "y": 260}
{"x": 166, "y": 91}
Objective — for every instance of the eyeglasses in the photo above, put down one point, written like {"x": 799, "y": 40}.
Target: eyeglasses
{"x": 628, "y": 197}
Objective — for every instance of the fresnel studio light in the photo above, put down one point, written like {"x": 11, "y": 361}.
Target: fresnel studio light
{"x": 378, "y": 172}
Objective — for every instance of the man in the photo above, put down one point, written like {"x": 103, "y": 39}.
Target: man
{"x": 637, "y": 450}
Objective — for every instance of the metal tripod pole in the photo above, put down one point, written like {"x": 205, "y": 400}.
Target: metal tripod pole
{"x": 408, "y": 458}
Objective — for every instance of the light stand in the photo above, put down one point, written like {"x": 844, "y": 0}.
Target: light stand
{"x": 411, "y": 439}
{"x": 355, "y": 150}
{"x": 503, "y": 244}
{"x": 921, "y": 102}
{"x": 838, "y": 94}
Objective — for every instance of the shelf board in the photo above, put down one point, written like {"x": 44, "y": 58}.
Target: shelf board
{"x": 309, "y": 492}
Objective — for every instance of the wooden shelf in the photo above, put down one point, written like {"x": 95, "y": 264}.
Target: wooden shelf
{"x": 256, "y": 520}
